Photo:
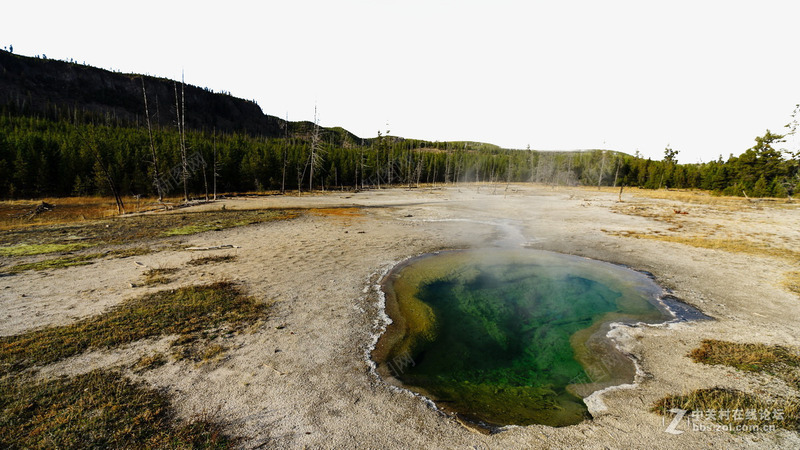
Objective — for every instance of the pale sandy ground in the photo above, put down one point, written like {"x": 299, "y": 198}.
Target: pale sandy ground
{"x": 301, "y": 380}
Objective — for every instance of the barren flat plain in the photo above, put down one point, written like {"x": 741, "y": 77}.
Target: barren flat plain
{"x": 300, "y": 375}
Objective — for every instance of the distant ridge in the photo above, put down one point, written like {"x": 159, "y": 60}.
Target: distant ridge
{"x": 48, "y": 87}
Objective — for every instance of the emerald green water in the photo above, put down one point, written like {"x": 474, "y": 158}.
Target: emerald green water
{"x": 511, "y": 336}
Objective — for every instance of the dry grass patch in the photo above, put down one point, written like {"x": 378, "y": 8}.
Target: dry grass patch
{"x": 734, "y": 408}
{"x": 775, "y": 360}
{"x": 792, "y": 282}
{"x": 104, "y": 409}
{"x": 100, "y": 409}
{"x": 337, "y": 212}
{"x": 149, "y": 362}
{"x": 15, "y": 213}
{"x": 705, "y": 198}
{"x": 750, "y": 357}
{"x": 728, "y": 245}
{"x": 181, "y": 311}
{"x": 156, "y": 276}
{"x": 211, "y": 260}
{"x": 27, "y": 240}
{"x": 199, "y": 351}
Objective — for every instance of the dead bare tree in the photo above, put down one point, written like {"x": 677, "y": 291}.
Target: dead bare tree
{"x": 531, "y": 155}
{"x": 361, "y": 163}
{"x": 316, "y": 157}
{"x": 389, "y": 158}
{"x": 447, "y": 174}
{"x": 433, "y": 162}
{"x": 285, "y": 153}
{"x": 378, "y": 159}
{"x": 205, "y": 182}
{"x": 215, "y": 167}
{"x": 420, "y": 161}
{"x": 300, "y": 168}
{"x": 408, "y": 167}
{"x": 153, "y": 155}
{"x": 508, "y": 175}
{"x": 180, "y": 109}
{"x": 602, "y": 168}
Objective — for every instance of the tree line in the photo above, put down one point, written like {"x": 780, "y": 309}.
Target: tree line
{"x": 75, "y": 155}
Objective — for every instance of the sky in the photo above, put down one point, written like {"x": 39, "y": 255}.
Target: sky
{"x": 703, "y": 77}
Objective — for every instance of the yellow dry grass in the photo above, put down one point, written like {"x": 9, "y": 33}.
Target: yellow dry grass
{"x": 13, "y": 213}
{"x": 728, "y": 245}
{"x": 700, "y": 197}
{"x": 337, "y": 212}
{"x": 792, "y": 282}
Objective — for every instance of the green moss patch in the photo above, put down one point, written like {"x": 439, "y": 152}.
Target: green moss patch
{"x": 75, "y": 260}
{"x": 38, "y": 249}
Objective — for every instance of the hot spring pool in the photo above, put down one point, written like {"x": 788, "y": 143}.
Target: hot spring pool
{"x": 511, "y": 336}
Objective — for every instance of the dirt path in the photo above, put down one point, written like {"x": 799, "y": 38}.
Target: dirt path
{"x": 302, "y": 379}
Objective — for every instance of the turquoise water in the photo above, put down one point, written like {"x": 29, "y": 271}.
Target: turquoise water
{"x": 511, "y": 336}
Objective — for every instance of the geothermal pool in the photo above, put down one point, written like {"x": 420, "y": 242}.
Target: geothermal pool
{"x": 511, "y": 337}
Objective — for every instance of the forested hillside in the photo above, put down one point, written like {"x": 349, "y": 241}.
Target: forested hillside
{"x": 68, "y": 129}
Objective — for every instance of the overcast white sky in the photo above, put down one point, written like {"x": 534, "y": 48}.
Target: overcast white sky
{"x": 705, "y": 77}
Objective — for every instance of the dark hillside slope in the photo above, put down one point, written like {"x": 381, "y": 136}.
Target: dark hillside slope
{"x": 57, "y": 89}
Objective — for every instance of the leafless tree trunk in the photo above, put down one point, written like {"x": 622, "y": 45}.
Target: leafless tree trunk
{"x": 447, "y": 174}
{"x": 361, "y": 163}
{"x": 205, "y": 182}
{"x": 378, "y": 159}
{"x": 508, "y": 176}
{"x": 156, "y": 173}
{"x": 215, "y": 166}
{"x": 532, "y": 169}
{"x": 433, "y": 184}
{"x": 602, "y": 168}
{"x": 181, "y": 111}
{"x": 419, "y": 169}
{"x": 300, "y": 174}
{"x": 285, "y": 153}
{"x": 355, "y": 180}
{"x": 314, "y": 158}
{"x": 409, "y": 180}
